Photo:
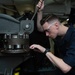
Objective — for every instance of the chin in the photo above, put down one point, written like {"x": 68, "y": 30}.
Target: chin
{"x": 54, "y": 37}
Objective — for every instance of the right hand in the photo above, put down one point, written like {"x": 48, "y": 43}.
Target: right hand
{"x": 40, "y": 5}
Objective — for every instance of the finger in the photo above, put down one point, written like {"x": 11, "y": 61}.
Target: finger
{"x": 32, "y": 47}
{"x": 39, "y": 4}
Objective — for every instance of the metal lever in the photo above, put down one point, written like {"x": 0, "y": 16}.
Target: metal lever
{"x": 36, "y": 10}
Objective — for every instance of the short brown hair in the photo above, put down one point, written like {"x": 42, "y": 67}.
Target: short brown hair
{"x": 48, "y": 18}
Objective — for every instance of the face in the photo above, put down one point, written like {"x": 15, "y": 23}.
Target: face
{"x": 51, "y": 30}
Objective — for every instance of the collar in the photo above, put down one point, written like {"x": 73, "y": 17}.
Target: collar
{"x": 66, "y": 37}
{"x": 68, "y": 33}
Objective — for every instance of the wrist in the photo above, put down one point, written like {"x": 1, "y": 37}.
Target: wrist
{"x": 46, "y": 50}
{"x": 40, "y": 11}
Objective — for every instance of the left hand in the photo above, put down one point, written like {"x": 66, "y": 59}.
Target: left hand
{"x": 38, "y": 47}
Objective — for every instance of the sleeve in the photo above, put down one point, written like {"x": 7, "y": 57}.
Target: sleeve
{"x": 69, "y": 58}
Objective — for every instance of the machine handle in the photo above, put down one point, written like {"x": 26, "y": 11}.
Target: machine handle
{"x": 36, "y": 10}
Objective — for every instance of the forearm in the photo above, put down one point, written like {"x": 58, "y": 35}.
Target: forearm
{"x": 58, "y": 62}
{"x": 39, "y": 17}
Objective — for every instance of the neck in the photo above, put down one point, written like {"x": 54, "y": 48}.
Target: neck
{"x": 62, "y": 30}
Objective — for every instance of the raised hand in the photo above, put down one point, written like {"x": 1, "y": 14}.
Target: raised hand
{"x": 40, "y": 5}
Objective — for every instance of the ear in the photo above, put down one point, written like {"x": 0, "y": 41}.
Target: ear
{"x": 57, "y": 25}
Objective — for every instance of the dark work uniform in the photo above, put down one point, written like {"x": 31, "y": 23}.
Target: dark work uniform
{"x": 66, "y": 47}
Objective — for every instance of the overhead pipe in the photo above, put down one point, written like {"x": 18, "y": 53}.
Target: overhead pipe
{"x": 1, "y": 6}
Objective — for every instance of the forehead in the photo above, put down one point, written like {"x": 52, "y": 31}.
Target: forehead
{"x": 45, "y": 25}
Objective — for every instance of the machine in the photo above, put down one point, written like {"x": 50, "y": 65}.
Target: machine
{"x": 15, "y": 34}
{"x": 14, "y": 42}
